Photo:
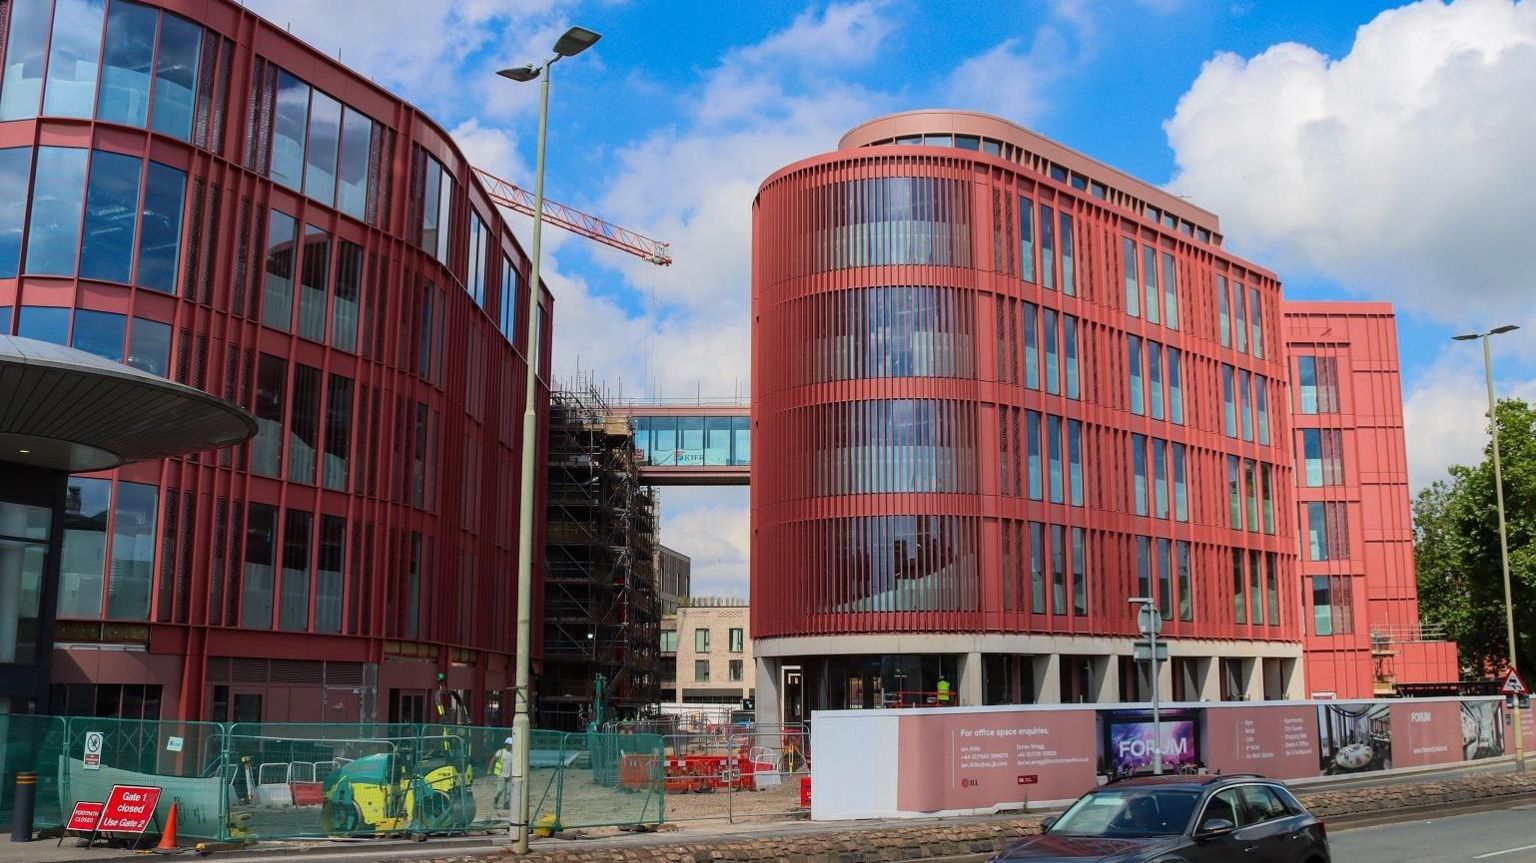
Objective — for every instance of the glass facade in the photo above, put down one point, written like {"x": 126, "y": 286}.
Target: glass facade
{"x": 674, "y": 441}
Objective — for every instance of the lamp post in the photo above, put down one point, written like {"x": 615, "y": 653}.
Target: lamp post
{"x": 573, "y": 42}
{"x": 1498, "y": 490}
{"x": 1149, "y": 621}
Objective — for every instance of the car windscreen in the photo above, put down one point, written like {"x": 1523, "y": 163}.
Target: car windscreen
{"x": 1128, "y": 813}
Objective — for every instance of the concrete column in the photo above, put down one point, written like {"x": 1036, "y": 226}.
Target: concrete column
{"x": 768, "y": 684}
{"x": 1290, "y": 673}
{"x": 1046, "y": 671}
{"x": 1106, "y": 679}
{"x": 1165, "y": 673}
{"x": 972, "y": 691}
{"x": 1253, "y": 679}
{"x": 1207, "y": 678}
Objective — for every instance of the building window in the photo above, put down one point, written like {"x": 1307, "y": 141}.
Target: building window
{"x": 1223, "y": 314}
{"x": 1153, "y": 302}
{"x": 893, "y": 220}
{"x": 72, "y": 57}
{"x": 1186, "y": 593}
{"x": 357, "y": 135}
{"x": 1075, "y": 460}
{"x": 111, "y": 203}
{"x": 1327, "y": 531}
{"x": 1138, "y": 398}
{"x": 1165, "y": 578}
{"x": 1027, "y": 239}
{"x": 1266, "y": 477}
{"x": 149, "y": 346}
{"x": 738, "y": 640}
{"x": 349, "y": 286}
{"x": 15, "y": 181}
{"x": 1228, "y": 404}
{"x": 701, "y": 640}
{"x": 1053, "y": 449}
{"x": 1319, "y": 384}
{"x": 1160, "y": 477}
{"x": 330, "y": 573}
{"x": 314, "y": 277}
{"x": 1175, "y": 387}
{"x": 44, "y": 323}
{"x": 1068, "y": 277}
{"x": 1261, "y": 407}
{"x": 1079, "y": 574}
{"x": 25, "y": 52}
{"x": 1036, "y": 468}
{"x": 1069, "y": 349}
{"x": 1132, "y": 285}
{"x": 323, "y": 146}
{"x": 58, "y": 193}
{"x": 338, "y": 432}
{"x": 479, "y": 251}
{"x": 288, "y": 131}
{"x": 1139, "y": 472}
{"x": 271, "y": 384}
{"x": 1143, "y": 566}
{"x": 277, "y": 291}
{"x": 133, "y": 551}
{"x": 83, "y": 561}
{"x": 509, "y": 298}
{"x": 1239, "y": 601}
{"x": 1031, "y": 346}
{"x": 1322, "y": 605}
{"x": 1047, "y": 248}
{"x": 293, "y": 609}
{"x": 1170, "y": 294}
{"x": 669, "y": 641}
{"x": 1052, "y": 367}
{"x": 1272, "y": 587}
{"x": 1250, "y": 482}
{"x": 1256, "y": 322}
{"x": 304, "y": 427}
{"x": 1155, "y": 378}
{"x": 99, "y": 333}
{"x": 1255, "y": 587}
{"x": 1180, "y": 487}
{"x": 1240, "y": 316}
{"x": 260, "y": 558}
{"x": 1234, "y": 494}
{"x": 735, "y": 668}
{"x": 1037, "y": 567}
{"x": 1058, "y": 570}
{"x": 701, "y": 671}
{"x": 1321, "y": 457}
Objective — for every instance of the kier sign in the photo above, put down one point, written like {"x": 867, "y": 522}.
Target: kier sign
{"x": 129, "y": 809}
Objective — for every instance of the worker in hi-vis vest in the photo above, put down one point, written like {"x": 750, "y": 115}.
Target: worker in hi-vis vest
{"x": 943, "y": 690}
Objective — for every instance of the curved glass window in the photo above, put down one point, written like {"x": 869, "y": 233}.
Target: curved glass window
{"x": 21, "y": 92}
{"x": 133, "y": 551}
{"x": 324, "y": 139}
{"x": 897, "y": 563}
{"x": 160, "y": 232}
{"x": 73, "y": 54}
{"x": 99, "y": 333}
{"x": 44, "y": 323}
{"x": 149, "y": 347}
{"x": 288, "y": 131}
{"x": 895, "y": 445}
{"x": 111, "y": 217}
{"x": 356, "y": 142}
{"x": 15, "y": 180}
{"x": 57, "y": 197}
{"x": 893, "y": 220}
{"x": 894, "y": 332}
{"x": 181, "y": 43}
{"x": 130, "y": 52}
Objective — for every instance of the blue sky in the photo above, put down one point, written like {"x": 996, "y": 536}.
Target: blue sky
{"x": 1360, "y": 150}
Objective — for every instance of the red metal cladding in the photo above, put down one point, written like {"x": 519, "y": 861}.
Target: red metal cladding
{"x": 944, "y": 417}
{"x": 1359, "y": 584}
{"x": 398, "y": 483}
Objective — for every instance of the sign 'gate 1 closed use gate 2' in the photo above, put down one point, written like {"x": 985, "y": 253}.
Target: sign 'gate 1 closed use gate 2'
{"x": 129, "y": 809}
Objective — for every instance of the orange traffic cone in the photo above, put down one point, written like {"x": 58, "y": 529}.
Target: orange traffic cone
{"x": 168, "y": 836}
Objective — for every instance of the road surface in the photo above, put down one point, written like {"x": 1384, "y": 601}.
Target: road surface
{"x": 1499, "y": 836}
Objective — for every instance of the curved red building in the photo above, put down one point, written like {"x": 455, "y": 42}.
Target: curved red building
{"x": 190, "y": 190}
{"x": 999, "y": 388}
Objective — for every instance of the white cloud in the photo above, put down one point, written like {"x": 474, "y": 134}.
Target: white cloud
{"x": 713, "y": 527}
{"x": 1008, "y": 80}
{"x": 1401, "y": 170}
{"x": 1445, "y": 414}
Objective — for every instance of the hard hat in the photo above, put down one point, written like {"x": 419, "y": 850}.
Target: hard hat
{"x": 508, "y": 741}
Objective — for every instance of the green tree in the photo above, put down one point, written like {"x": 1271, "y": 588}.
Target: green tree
{"x": 1456, "y": 549}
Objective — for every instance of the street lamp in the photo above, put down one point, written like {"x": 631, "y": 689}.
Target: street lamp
{"x": 575, "y": 41}
{"x": 1149, "y": 621}
{"x": 1498, "y": 490}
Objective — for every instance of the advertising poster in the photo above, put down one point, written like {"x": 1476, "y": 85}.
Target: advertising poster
{"x": 1482, "y": 730}
{"x": 1426, "y": 732}
{"x": 1354, "y": 737}
{"x": 1126, "y": 744}
{"x": 960, "y": 760}
{"x": 1280, "y": 742}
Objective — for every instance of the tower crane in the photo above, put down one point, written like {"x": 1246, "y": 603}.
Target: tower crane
{"x": 514, "y": 197}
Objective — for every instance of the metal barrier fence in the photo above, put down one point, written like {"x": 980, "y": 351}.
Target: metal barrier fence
{"x": 247, "y": 781}
{"x": 737, "y": 773}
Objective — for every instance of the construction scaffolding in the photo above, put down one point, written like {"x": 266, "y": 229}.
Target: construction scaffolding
{"x": 602, "y": 614}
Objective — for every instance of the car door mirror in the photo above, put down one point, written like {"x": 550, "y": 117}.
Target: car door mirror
{"x": 1045, "y": 823}
{"x": 1215, "y": 827}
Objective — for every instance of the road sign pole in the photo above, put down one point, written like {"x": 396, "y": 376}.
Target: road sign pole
{"x": 1157, "y": 718}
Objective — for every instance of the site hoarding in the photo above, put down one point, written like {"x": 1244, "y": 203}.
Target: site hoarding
{"x": 972, "y": 759}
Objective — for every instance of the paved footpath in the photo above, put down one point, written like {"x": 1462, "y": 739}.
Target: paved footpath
{"x": 1501, "y": 836}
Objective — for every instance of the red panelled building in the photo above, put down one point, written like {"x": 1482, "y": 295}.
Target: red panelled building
{"x": 1356, "y": 525}
{"x": 1000, "y": 388}
{"x": 190, "y": 190}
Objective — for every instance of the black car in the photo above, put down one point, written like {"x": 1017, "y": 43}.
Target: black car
{"x": 1193, "y": 819}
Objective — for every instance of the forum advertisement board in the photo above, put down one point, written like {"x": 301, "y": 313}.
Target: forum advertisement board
{"x": 965, "y": 759}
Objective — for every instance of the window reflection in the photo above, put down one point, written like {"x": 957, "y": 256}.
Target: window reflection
{"x": 44, "y": 323}
{"x": 130, "y": 50}
{"x": 324, "y": 139}
{"x": 15, "y": 180}
{"x": 893, "y": 220}
{"x": 896, "y": 445}
{"x": 288, "y": 131}
{"x": 176, "y": 76}
{"x": 21, "y": 92}
{"x": 328, "y": 583}
{"x": 904, "y": 331}
{"x": 73, "y": 51}
{"x": 149, "y": 347}
{"x": 99, "y": 333}
{"x": 111, "y": 217}
{"x": 267, "y": 447}
{"x": 57, "y": 197}
{"x": 260, "y": 558}
{"x": 83, "y": 559}
{"x": 899, "y": 563}
{"x": 133, "y": 551}
{"x": 293, "y": 610}
{"x": 277, "y": 291}
{"x": 356, "y": 141}
{"x": 314, "y": 277}
{"x": 160, "y": 232}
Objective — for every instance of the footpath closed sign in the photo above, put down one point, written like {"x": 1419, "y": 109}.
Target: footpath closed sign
{"x": 85, "y": 816}
{"x": 129, "y": 809}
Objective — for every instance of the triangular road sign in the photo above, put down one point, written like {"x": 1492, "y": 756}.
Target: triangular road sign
{"x": 1513, "y": 685}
